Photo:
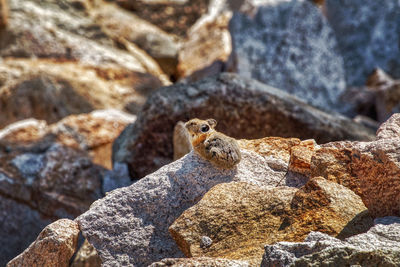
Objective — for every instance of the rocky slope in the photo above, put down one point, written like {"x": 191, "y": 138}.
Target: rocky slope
{"x": 96, "y": 167}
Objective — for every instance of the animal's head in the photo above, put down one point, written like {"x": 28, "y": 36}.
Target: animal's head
{"x": 199, "y": 129}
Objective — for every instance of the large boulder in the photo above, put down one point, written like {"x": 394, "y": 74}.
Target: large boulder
{"x": 243, "y": 107}
{"x": 130, "y": 225}
{"x": 117, "y": 23}
{"x": 93, "y": 133}
{"x": 378, "y": 247}
{"x": 235, "y": 220}
{"x": 368, "y": 36}
{"x": 42, "y": 179}
{"x": 290, "y": 45}
{"x": 370, "y": 169}
{"x": 63, "y": 31}
{"x": 54, "y": 246}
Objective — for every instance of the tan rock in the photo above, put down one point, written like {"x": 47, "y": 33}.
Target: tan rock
{"x": 300, "y": 157}
{"x": 199, "y": 262}
{"x": 206, "y": 49}
{"x": 390, "y": 128}
{"x": 370, "y": 169}
{"x": 238, "y": 219}
{"x": 54, "y": 246}
{"x": 93, "y": 132}
{"x": 86, "y": 256}
{"x": 3, "y": 14}
{"x": 276, "y": 147}
{"x": 117, "y": 23}
{"x": 67, "y": 88}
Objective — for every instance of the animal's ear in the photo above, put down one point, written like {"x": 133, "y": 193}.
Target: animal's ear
{"x": 212, "y": 123}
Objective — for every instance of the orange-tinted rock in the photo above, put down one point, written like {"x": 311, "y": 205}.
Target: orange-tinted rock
{"x": 67, "y": 88}
{"x": 370, "y": 169}
{"x": 54, "y": 246}
{"x": 238, "y": 219}
{"x": 206, "y": 49}
{"x": 300, "y": 157}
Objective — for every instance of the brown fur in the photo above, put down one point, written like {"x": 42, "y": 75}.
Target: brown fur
{"x": 213, "y": 146}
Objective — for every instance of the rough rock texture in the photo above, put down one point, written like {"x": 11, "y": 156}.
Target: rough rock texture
{"x": 368, "y": 36}
{"x": 86, "y": 256}
{"x": 172, "y": 16}
{"x": 370, "y": 169}
{"x": 130, "y": 225}
{"x": 41, "y": 181}
{"x": 229, "y": 214}
{"x": 67, "y": 88}
{"x": 378, "y": 247}
{"x": 290, "y": 45}
{"x": 117, "y": 23}
{"x": 93, "y": 132}
{"x": 390, "y": 129}
{"x": 300, "y": 157}
{"x": 206, "y": 49}
{"x": 244, "y": 108}
{"x": 54, "y": 246}
{"x": 200, "y": 262}
{"x": 56, "y": 180}
{"x": 63, "y": 31}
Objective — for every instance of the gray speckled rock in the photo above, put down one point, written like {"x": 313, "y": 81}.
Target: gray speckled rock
{"x": 244, "y": 108}
{"x": 380, "y": 246}
{"x": 290, "y": 45}
{"x": 130, "y": 225}
{"x": 368, "y": 36}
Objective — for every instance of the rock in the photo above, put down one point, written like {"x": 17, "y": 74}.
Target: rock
{"x": 40, "y": 182}
{"x": 86, "y": 256}
{"x": 117, "y": 23}
{"x": 321, "y": 249}
{"x": 63, "y": 86}
{"x": 172, "y": 16}
{"x": 130, "y": 225}
{"x": 54, "y": 246}
{"x": 206, "y": 49}
{"x": 370, "y": 169}
{"x": 20, "y": 225}
{"x": 56, "y": 180}
{"x": 229, "y": 214}
{"x": 390, "y": 129}
{"x": 64, "y": 32}
{"x": 200, "y": 262}
{"x": 93, "y": 132}
{"x": 368, "y": 36}
{"x": 244, "y": 108}
{"x": 300, "y": 157}
{"x": 386, "y": 93}
{"x": 290, "y": 45}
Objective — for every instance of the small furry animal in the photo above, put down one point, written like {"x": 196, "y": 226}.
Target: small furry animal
{"x": 219, "y": 149}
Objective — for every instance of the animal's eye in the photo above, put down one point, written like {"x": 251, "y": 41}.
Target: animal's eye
{"x": 204, "y": 128}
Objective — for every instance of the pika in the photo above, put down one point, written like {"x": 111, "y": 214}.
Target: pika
{"x": 221, "y": 150}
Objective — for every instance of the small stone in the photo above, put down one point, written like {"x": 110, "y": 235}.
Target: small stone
{"x": 205, "y": 242}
